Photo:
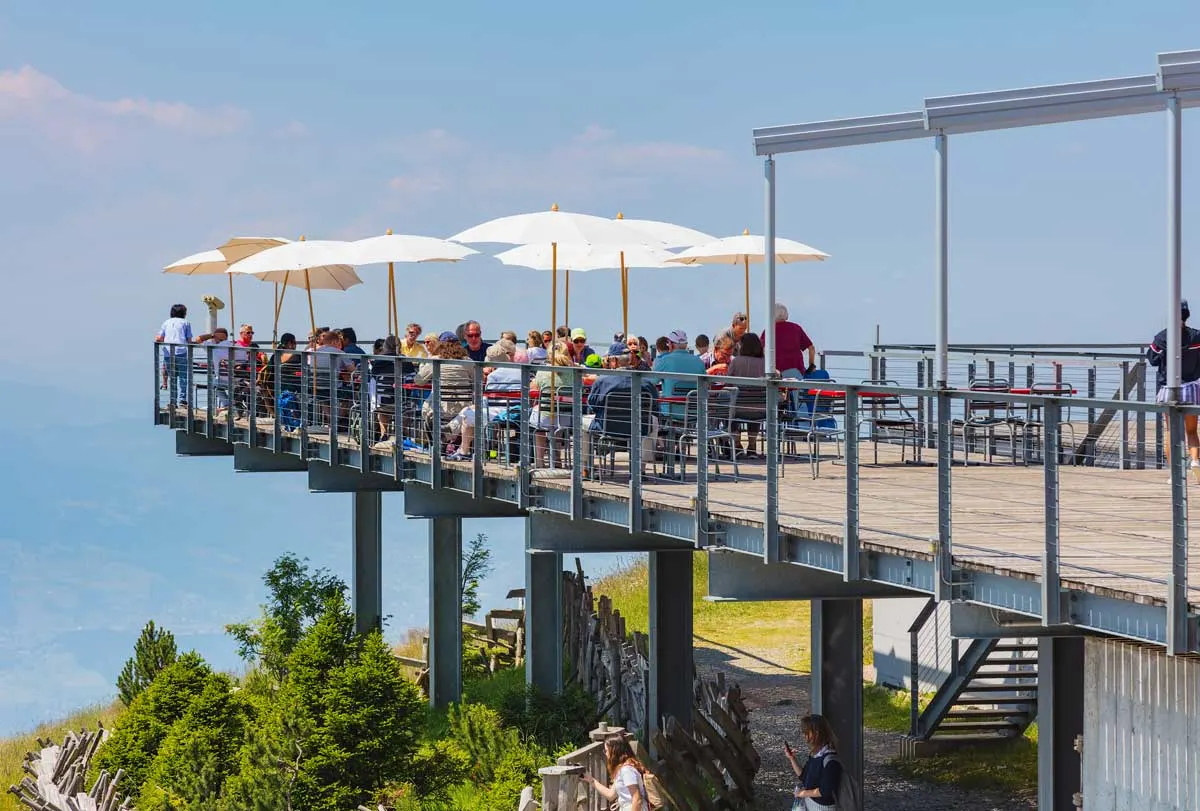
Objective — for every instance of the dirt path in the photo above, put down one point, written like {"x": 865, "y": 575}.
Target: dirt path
{"x": 777, "y": 696}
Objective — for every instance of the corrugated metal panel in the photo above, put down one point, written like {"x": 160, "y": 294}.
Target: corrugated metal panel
{"x": 1141, "y": 729}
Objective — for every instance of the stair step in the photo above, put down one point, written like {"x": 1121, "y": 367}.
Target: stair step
{"x": 1013, "y": 646}
{"x": 976, "y": 712}
{"x": 993, "y": 701}
{"x": 999, "y": 688}
{"x": 1011, "y": 674}
{"x": 977, "y": 726}
{"x": 1011, "y": 658}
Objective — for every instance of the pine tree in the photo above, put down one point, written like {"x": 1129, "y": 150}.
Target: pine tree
{"x": 155, "y": 649}
{"x": 476, "y": 565}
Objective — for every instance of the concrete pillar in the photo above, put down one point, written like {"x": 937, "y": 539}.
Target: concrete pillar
{"x": 445, "y": 611}
{"x": 1060, "y": 719}
{"x": 367, "y": 583}
{"x": 544, "y": 620}
{"x": 837, "y": 675}
{"x": 671, "y": 666}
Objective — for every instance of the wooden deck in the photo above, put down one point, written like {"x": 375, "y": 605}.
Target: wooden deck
{"x": 1115, "y": 525}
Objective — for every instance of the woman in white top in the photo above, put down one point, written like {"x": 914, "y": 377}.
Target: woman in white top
{"x": 625, "y": 772}
{"x": 556, "y": 378}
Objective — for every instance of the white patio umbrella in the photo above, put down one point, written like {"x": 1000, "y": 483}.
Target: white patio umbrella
{"x": 667, "y": 235}
{"x": 219, "y": 259}
{"x": 554, "y": 229}
{"x": 393, "y": 248}
{"x": 583, "y": 257}
{"x": 744, "y": 249}
{"x": 322, "y": 260}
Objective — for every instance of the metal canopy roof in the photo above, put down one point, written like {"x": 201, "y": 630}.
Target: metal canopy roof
{"x": 1178, "y": 74}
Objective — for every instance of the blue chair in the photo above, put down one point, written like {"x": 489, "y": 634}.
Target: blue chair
{"x": 812, "y": 418}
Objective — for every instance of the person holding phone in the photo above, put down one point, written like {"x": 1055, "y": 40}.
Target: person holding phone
{"x": 819, "y": 779}
{"x": 625, "y": 772}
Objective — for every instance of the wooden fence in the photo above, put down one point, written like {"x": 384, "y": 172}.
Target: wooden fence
{"x": 55, "y": 777}
{"x": 711, "y": 767}
{"x": 497, "y": 645}
{"x": 613, "y": 668}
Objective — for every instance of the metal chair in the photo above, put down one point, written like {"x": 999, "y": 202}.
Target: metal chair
{"x": 1032, "y": 424}
{"x": 716, "y": 432}
{"x": 612, "y": 432}
{"x": 887, "y": 412}
{"x": 986, "y": 415}
{"x": 818, "y": 417}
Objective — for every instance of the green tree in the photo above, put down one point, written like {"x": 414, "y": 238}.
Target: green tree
{"x": 344, "y": 723}
{"x": 153, "y": 651}
{"x": 136, "y": 738}
{"x": 476, "y": 565}
{"x": 297, "y": 596}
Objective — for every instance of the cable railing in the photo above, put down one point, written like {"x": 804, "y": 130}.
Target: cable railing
{"x": 1025, "y": 479}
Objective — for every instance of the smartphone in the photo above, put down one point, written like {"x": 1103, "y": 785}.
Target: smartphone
{"x": 787, "y": 747}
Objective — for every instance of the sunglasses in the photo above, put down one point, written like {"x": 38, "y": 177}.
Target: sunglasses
{"x": 474, "y": 334}
{"x": 580, "y": 340}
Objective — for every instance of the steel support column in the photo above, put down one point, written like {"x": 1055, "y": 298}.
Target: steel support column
{"x": 1051, "y": 583}
{"x": 769, "y": 266}
{"x": 1174, "y": 244}
{"x": 367, "y": 583}
{"x": 671, "y": 667}
{"x": 544, "y": 621}
{"x": 445, "y": 611}
{"x": 1178, "y": 640}
{"x": 837, "y": 675}
{"x": 944, "y": 550}
{"x": 1060, "y": 720}
{"x": 942, "y": 248}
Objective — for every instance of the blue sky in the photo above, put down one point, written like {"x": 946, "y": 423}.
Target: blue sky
{"x": 135, "y": 132}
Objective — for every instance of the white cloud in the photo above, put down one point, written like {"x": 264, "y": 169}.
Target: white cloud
{"x": 35, "y": 100}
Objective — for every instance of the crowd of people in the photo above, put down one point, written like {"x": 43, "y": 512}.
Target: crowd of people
{"x": 556, "y": 356}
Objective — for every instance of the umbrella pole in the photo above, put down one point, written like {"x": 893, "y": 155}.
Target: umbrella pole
{"x": 567, "y": 306}
{"x": 395, "y": 307}
{"x": 624, "y": 296}
{"x": 746, "y": 260}
{"x": 279, "y": 307}
{"x": 232, "y": 320}
{"x": 275, "y": 323}
{"x": 312, "y": 318}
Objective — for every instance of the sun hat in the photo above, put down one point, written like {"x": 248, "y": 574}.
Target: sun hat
{"x": 677, "y": 336}
{"x": 593, "y": 361}
{"x": 578, "y": 333}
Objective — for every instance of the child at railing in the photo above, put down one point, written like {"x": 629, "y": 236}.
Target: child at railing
{"x": 626, "y": 773}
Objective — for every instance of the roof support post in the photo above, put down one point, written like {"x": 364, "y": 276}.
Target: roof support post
{"x": 769, "y": 263}
{"x": 1174, "y": 244}
{"x": 942, "y": 239}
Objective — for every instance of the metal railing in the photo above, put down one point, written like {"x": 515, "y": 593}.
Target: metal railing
{"x": 991, "y": 476}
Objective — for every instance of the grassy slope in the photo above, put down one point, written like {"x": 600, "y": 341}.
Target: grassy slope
{"x": 780, "y": 632}
{"x": 12, "y": 750}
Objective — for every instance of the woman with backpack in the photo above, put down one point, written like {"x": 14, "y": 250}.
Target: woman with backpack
{"x": 626, "y": 774}
{"x": 820, "y": 779}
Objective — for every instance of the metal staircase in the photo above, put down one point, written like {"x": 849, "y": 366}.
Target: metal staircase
{"x": 989, "y": 695}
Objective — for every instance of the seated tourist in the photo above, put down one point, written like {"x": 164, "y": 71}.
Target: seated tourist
{"x": 638, "y": 357}
{"x": 580, "y": 351}
{"x": 722, "y": 354}
{"x": 703, "y": 350}
{"x": 751, "y": 400}
{"x": 473, "y": 338}
{"x": 678, "y": 361}
{"x": 559, "y": 377}
{"x": 456, "y": 383}
{"x": 411, "y": 345}
{"x": 618, "y": 420}
{"x": 535, "y": 348}
{"x": 383, "y": 384}
{"x": 500, "y": 379}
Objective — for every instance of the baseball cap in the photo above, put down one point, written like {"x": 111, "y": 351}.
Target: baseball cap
{"x": 1184, "y": 307}
{"x": 618, "y": 348}
{"x": 578, "y": 333}
{"x": 593, "y": 361}
{"x": 677, "y": 336}
{"x": 447, "y": 336}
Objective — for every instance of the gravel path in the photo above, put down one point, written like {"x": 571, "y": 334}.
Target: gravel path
{"x": 777, "y": 696}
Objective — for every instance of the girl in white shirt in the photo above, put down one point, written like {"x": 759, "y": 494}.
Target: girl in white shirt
{"x": 626, "y": 774}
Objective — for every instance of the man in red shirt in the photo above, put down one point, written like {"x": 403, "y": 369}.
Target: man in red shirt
{"x": 791, "y": 344}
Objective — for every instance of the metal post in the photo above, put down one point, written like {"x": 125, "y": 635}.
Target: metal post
{"x": 367, "y": 585}
{"x": 702, "y": 462}
{"x": 1061, "y": 665}
{"x": 524, "y": 451}
{"x": 190, "y": 389}
{"x": 543, "y": 618}
{"x": 850, "y": 544}
{"x": 1140, "y": 428}
{"x": 277, "y": 375}
{"x": 942, "y": 239}
{"x": 772, "y": 553}
{"x": 445, "y": 611}
{"x": 212, "y": 390}
{"x": 944, "y": 553}
{"x": 1123, "y": 396}
{"x": 635, "y": 452}
{"x": 158, "y": 385}
{"x": 1051, "y": 587}
{"x": 671, "y": 667}
{"x": 769, "y": 263}
{"x": 480, "y": 446}
{"x": 1174, "y": 244}
{"x": 435, "y": 427}
{"x": 365, "y": 429}
{"x": 1177, "y": 578}
{"x": 577, "y": 460}
{"x": 836, "y": 682}
{"x": 333, "y": 359}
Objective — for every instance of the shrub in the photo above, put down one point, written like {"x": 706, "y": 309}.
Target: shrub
{"x": 153, "y": 651}
{"x": 477, "y": 729}
{"x": 136, "y": 739}
{"x": 436, "y": 768}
